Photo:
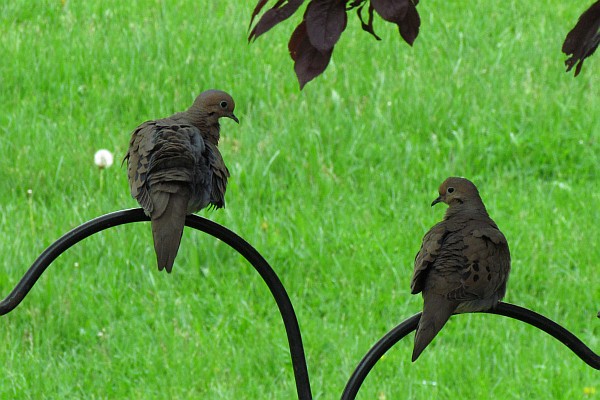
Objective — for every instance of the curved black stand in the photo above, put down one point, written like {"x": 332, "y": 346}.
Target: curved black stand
{"x": 193, "y": 221}
{"x": 282, "y": 299}
{"x": 505, "y": 309}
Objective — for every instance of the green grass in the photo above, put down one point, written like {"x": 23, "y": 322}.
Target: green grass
{"x": 332, "y": 185}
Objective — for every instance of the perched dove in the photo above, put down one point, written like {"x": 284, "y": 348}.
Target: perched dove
{"x": 463, "y": 263}
{"x": 175, "y": 168}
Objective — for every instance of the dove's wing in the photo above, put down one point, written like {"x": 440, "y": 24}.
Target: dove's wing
{"x": 219, "y": 175}
{"x": 141, "y": 145}
{"x": 162, "y": 157}
{"x": 487, "y": 266}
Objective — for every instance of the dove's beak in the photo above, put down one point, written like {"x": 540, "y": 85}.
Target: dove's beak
{"x": 233, "y": 117}
{"x": 438, "y": 200}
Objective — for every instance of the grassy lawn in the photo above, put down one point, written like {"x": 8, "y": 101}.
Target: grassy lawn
{"x": 332, "y": 185}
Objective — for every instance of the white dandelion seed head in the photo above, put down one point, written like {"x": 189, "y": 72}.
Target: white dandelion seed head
{"x": 335, "y": 96}
{"x": 103, "y": 158}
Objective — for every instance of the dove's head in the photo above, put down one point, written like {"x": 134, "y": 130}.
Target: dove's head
{"x": 455, "y": 191}
{"x": 214, "y": 104}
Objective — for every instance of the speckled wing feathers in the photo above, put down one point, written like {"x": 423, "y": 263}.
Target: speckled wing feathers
{"x": 462, "y": 266}
{"x": 467, "y": 260}
{"x": 488, "y": 265}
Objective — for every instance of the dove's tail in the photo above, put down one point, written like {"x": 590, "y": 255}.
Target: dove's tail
{"x": 436, "y": 311}
{"x": 167, "y": 230}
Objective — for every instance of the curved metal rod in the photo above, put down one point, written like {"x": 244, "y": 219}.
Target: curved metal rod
{"x": 376, "y": 352}
{"x": 506, "y": 309}
{"x": 193, "y": 221}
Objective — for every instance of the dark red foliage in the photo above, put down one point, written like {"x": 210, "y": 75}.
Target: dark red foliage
{"x": 402, "y": 13}
{"x": 312, "y": 43}
{"x": 309, "y": 62}
{"x": 391, "y": 10}
{"x": 325, "y": 22}
{"x": 583, "y": 39}
{"x": 281, "y": 11}
{"x": 259, "y": 6}
{"x": 409, "y": 26}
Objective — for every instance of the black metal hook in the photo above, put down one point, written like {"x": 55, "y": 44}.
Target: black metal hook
{"x": 282, "y": 299}
{"x": 193, "y": 221}
{"x": 505, "y": 309}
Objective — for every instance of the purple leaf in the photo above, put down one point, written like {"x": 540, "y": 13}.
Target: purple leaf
{"x": 391, "y": 10}
{"x": 583, "y": 40}
{"x": 409, "y": 27}
{"x": 309, "y": 62}
{"x": 402, "y": 13}
{"x": 259, "y": 6}
{"x": 281, "y": 11}
{"x": 325, "y": 22}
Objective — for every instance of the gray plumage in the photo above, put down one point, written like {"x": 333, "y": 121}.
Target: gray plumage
{"x": 175, "y": 168}
{"x": 463, "y": 263}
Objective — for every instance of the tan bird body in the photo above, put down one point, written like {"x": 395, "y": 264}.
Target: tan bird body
{"x": 175, "y": 168}
{"x": 463, "y": 263}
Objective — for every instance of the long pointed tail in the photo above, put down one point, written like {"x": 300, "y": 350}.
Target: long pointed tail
{"x": 436, "y": 311}
{"x": 167, "y": 230}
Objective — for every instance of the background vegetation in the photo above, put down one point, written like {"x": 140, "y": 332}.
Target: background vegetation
{"x": 332, "y": 185}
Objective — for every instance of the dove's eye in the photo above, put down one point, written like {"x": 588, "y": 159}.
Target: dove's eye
{"x": 223, "y": 104}
{"x": 450, "y": 190}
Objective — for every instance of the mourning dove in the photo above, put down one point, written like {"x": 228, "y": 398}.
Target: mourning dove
{"x": 175, "y": 168}
{"x": 463, "y": 263}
